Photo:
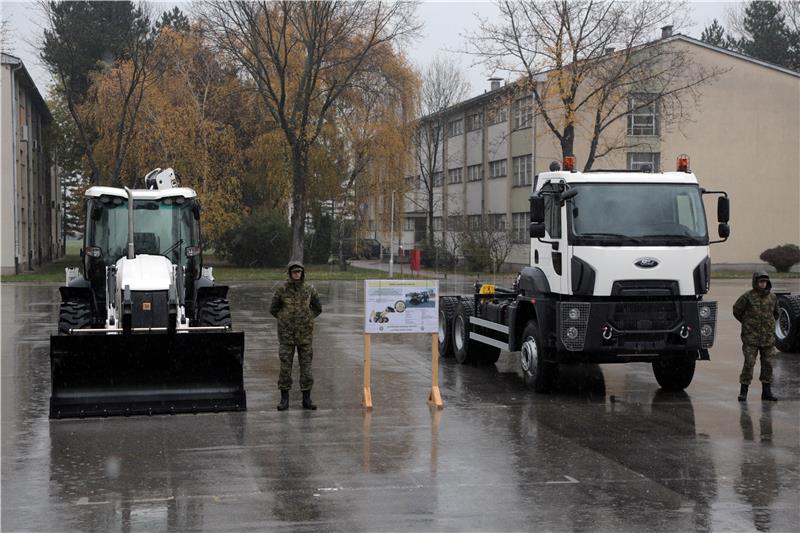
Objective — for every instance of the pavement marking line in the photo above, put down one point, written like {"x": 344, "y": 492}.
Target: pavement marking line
{"x": 570, "y": 479}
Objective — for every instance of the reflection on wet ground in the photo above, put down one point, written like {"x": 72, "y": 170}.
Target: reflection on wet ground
{"x": 606, "y": 451}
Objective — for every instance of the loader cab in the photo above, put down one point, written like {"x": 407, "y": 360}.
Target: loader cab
{"x": 165, "y": 223}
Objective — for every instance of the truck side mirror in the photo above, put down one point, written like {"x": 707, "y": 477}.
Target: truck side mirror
{"x": 723, "y": 209}
{"x": 537, "y": 209}
{"x": 724, "y": 229}
{"x": 536, "y": 230}
{"x": 569, "y": 193}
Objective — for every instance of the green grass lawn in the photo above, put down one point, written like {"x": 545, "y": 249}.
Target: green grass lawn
{"x": 223, "y": 272}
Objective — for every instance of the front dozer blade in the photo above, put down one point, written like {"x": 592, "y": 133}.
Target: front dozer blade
{"x": 106, "y": 375}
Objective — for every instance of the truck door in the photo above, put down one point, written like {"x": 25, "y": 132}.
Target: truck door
{"x": 550, "y": 253}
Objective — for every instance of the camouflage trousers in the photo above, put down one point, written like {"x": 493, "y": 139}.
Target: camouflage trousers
{"x": 751, "y": 352}
{"x": 304, "y": 356}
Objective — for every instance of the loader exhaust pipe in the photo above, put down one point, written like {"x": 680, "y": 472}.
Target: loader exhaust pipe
{"x": 131, "y": 254}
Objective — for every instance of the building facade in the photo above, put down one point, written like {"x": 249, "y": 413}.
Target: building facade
{"x": 30, "y": 221}
{"x": 743, "y": 137}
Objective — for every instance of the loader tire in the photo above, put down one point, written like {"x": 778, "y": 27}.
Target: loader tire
{"x": 214, "y": 312}
{"x": 73, "y": 315}
{"x": 787, "y": 327}
{"x": 447, "y": 309}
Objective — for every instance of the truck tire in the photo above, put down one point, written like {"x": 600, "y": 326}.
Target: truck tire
{"x": 539, "y": 375}
{"x": 787, "y": 327}
{"x": 447, "y": 309}
{"x": 675, "y": 374}
{"x": 214, "y": 312}
{"x": 464, "y": 349}
{"x": 73, "y": 315}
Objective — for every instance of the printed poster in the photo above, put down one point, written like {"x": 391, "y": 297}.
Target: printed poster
{"x": 401, "y": 306}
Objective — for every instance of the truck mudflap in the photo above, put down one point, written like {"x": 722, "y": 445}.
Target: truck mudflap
{"x": 148, "y": 373}
{"x": 636, "y": 327}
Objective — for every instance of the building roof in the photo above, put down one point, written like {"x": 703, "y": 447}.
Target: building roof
{"x": 8, "y": 59}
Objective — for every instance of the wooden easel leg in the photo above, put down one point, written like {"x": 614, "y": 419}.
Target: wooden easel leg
{"x": 366, "y": 396}
{"x": 435, "y": 397}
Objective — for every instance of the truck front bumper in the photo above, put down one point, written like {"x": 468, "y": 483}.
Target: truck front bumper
{"x": 621, "y": 328}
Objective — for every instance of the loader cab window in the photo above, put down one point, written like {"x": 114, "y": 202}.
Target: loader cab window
{"x": 164, "y": 226}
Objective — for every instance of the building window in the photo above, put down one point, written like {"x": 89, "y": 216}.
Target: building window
{"x": 454, "y": 223}
{"x": 437, "y": 223}
{"x": 647, "y": 161}
{"x": 475, "y": 173}
{"x": 498, "y": 114}
{"x": 455, "y": 127}
{"x": 520, "y": 222}
{"x": 437, "y": 179}
{"x": 455, "y": 175}
{"x": 523, "y": 112}
{"x": 497, "y": 169}
{"x": 409, "y": 224}
{"x": 643, "y": 118}
{"x": 523, "y": 170}
{"x": 474, "y": 222}
{"x": 474, "y": 121}
{"x": 497, "y": 222}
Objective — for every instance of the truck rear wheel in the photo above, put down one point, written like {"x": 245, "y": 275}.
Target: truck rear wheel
{"x": 73, "y": 315}
{"x": 463, "y": 348}
{"x": 539, "y": 375}
{"x": 447, "y": 309}
{"x": 214, "y": 312}
{"x": 787, "y": 327}
{"x": 675, "y": 374}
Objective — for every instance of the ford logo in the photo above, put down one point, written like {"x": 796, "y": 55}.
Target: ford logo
{"x": 646, "y": 262}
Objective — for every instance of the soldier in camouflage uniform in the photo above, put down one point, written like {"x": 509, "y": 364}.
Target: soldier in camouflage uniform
{"x": 757, "y": 310}
{"x": 295, "y": 305}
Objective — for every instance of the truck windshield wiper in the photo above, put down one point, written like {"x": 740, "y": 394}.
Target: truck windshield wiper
{"x": 684, "y": 239}
{"x": 611, "y": 236}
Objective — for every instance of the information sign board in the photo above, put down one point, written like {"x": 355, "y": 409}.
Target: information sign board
{"x": 401, "y": 306}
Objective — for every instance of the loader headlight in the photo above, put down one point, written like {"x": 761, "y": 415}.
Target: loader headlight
{"x": 192, "y": 251}
{"x": 705, "y": 311}
{"x": 706, "y": 330}
{"x": 92, "y": 251}
{"x": 572, "y": 332}
{"x": 574, "y": 313}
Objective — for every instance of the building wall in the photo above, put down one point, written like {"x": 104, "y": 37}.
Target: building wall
{"x": 31, "y": 206}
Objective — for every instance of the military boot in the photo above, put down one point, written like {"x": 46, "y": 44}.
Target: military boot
{"x": 743, "y": 392}
{"x": 307, "y": 401}
{"x": 284, "y": 405}
{"x": 766, "y": 393}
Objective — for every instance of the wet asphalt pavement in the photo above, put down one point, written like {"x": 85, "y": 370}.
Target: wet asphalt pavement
{"x": 608, "y": 451}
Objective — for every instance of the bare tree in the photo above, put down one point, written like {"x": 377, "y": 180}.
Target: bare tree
{"x": 301, "y": 57}
{"x": 443, "y": 85}
{"x": 5, "y": 36}
{"x": 582, "y": 61}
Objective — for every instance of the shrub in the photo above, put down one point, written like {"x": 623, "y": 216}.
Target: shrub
{"x": 782, "y": 257}
{"x": 437, "y": 256}
{"x": 262, "y": 239}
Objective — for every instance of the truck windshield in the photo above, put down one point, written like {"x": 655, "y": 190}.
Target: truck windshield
{"x": 640, "y": 214}
{"x": 161, "y": 227}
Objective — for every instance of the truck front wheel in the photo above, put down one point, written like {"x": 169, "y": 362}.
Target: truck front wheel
{"x": 674, "y": 374}
{"x": 539, "y": 375}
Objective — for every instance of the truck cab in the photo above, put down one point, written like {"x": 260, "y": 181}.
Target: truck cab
{"x": 619, "y": 265}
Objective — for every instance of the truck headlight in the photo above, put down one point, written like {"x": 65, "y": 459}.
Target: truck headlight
{"x": 572, "y": 332}
{"x": 706, "y": 330}
{"x": 574, "y": 313}
{"x": 705, "y": 311}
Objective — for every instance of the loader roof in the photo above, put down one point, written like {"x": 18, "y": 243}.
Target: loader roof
{"x": 144, "y": 194}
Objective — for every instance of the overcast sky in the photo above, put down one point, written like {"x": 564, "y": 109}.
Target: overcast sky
{"x": 445, "y": 24}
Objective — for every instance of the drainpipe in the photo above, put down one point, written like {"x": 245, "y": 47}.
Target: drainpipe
{"x": 15, "y": 148}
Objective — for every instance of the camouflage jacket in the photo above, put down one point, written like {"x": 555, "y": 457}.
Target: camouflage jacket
{"x": 757, "y": 311}
{"x": 295, "y": 305}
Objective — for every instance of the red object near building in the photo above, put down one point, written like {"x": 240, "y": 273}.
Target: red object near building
{"x": 416, "y": 259}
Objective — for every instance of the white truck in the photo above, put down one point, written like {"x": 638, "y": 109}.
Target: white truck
{"x": 618, "y": 268}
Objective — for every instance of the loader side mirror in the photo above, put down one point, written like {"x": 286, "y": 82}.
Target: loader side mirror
{"x": 97, "y": 213}
{"x": 723, "y": 209}
{"x": 724, "y": 230}
{"x": 537, "y": 210}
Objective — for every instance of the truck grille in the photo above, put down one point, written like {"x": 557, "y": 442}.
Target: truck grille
{"x": 632, "y": 316}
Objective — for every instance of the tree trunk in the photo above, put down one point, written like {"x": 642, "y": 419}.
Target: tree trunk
{"x": 298, "y": 202}
{"x": 568, "y": 140}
